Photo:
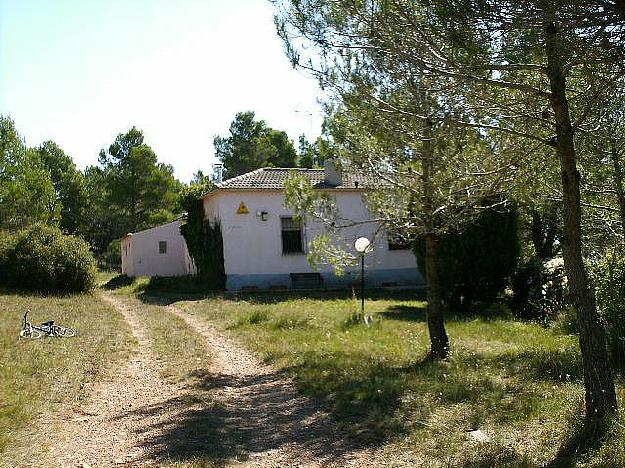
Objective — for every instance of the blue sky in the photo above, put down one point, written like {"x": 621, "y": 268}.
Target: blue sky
{"x": 81, "y": 71}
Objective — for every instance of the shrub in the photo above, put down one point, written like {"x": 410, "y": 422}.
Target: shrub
{"x": 539, "y": 289}
{"x": 610, "y": 280}
{"x": 7, "y": 245}
{"x": 477, "y": 258}
{"x": 42, "y": 259}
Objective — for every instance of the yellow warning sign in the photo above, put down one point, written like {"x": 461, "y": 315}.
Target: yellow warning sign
{"x": 242, "y": 209}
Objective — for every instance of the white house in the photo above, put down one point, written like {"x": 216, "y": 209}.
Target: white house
{"x": 159, "y": 251}
{"x": 265, "y": 247}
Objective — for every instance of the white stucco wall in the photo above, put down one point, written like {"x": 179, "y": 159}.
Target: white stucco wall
{"x": 127, "y": 263}
{"x": 141, "y": 257}
{"x": 254, "y": 247}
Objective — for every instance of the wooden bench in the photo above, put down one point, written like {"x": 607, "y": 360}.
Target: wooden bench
{"x": 307, "y": 280}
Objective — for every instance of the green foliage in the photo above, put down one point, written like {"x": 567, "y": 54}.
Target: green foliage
{"x": 311, "y": 155}
{"x": 129, "y": 191}
{"x": 42, "y": 259}
{"x": 476, "y": 260}
{"x": 539, "y": 289}
{"x": 610, "y": 281}
{"x": 199, "y": 178}
{"x": 7, "y": 246}
{"x": 566, "y": 322}
{"x": 205, "y": 243}
{"x": 112, "y": 256}
{"x": 191, "y": 193}
{"x": 27, "y": 194}
{"x": 252, "y": 144}
{"x": 69, "y": 185}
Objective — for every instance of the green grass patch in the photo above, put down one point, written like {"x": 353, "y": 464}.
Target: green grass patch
{"x": 181, "y": 351}
{"x": 518, "y": 382}
{"x": 40, "y": 376}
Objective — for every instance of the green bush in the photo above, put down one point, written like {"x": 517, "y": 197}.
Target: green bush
{"x": 41, "y": 258}
{"x": 476, "y": 259}
{"x": 610, "y": 281}
{"x": 539, "y": 288}
{"x": 7, "y": 245}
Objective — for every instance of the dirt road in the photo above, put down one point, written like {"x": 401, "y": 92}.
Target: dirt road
{"x": 247, "y": 413}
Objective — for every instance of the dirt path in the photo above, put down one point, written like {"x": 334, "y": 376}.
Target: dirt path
{"x": 275, "y": 425}
{"x": 238, "y": 412}
{"x": 107, "y": 432}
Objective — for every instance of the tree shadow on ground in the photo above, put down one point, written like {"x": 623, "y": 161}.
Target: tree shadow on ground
{"x": 175, "y": 294}
{"x": 586, "y": 436}
{"x": 224, "y": 417}
{"x": 405, "y": 313}
{"x": 117, "y": 282}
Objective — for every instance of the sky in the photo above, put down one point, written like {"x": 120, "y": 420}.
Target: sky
{"x": 79, "y": 72}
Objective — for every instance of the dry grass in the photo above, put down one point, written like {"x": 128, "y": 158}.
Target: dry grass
{"x": 40, "y": 377}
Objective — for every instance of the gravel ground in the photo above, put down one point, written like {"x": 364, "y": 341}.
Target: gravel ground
{"x": 277, "y": 427}
{"x": 239, "y": 412}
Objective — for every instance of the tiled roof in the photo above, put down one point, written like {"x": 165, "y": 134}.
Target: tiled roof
{"x": 272, "y": 178}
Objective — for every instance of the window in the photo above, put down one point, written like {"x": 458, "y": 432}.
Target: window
{"x": 396, "y": 242}
{"x": 291, "y": 236}
{"x": 162, "y": 247}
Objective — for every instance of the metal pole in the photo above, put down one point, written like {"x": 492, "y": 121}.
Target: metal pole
{"x": 362, "y": 284}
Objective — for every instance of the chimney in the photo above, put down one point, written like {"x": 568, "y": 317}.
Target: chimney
{"x": 332, "y": 173}
{"x": 218, "y": 173}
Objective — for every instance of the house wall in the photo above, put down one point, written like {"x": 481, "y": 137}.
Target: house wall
{"x": 253, "y": 247}
{"x": 126, "y": 252}
{"x": 144, "y": 259}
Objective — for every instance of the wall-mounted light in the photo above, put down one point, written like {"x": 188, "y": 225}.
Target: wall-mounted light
{"x": 263, "y": 215}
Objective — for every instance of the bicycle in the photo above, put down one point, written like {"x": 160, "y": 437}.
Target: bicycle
{"x": 48, "y": 328}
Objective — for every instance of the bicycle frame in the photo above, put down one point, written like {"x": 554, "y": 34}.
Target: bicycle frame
{"x": 48, "y": 328}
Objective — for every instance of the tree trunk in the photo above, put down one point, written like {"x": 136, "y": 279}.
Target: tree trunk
{"x": 618, "y": 185}
{"x": 598, "y": 380}
{"x": 544, "y": 231}
{"x": 435, "y": 317}
{"x": 436, "y": 322}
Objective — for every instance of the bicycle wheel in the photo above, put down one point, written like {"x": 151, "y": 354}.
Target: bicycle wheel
{"x": 30, "y": 333}
{"x": 68, "y": 332}
{"x": 65, "y": 332}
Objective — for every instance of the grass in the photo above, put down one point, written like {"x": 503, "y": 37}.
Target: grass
{"x": 520, "y": 383}
{"x": 180, "y": 350}
{"x": 38, "y": 377}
